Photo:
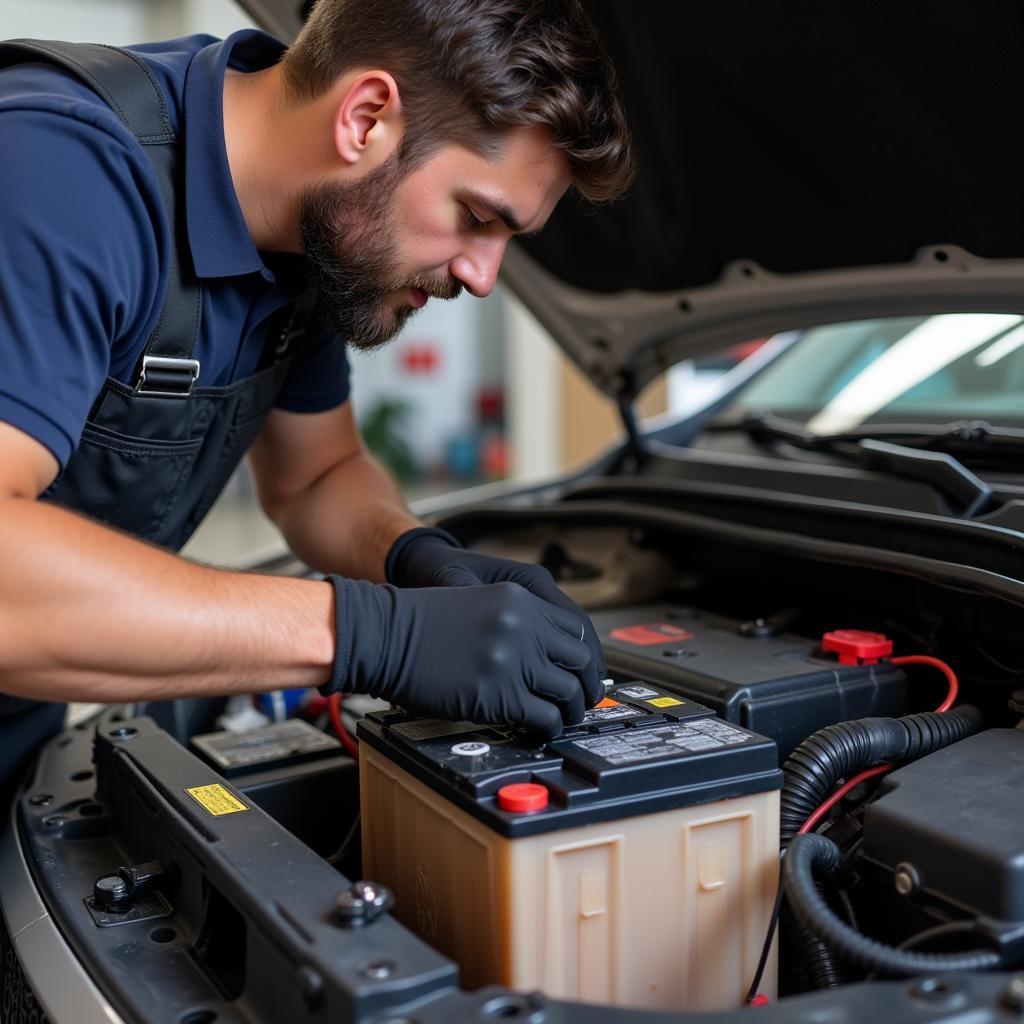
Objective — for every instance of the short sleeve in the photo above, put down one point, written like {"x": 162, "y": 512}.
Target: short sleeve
{"x": 78, "y": 267}
{"x": 319, "y": 377}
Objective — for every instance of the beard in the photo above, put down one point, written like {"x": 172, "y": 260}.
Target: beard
{"x": 349, "y": 238}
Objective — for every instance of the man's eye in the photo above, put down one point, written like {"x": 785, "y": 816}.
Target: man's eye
{"x": 472, "y": 220}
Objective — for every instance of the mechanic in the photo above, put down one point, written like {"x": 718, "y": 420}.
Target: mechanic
{"x": 156, "y": 324}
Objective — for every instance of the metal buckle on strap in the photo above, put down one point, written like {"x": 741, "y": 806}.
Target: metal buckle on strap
{"x": 167, "y": 376}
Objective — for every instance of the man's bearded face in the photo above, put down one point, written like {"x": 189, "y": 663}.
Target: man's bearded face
{"x": 349, "y": 236}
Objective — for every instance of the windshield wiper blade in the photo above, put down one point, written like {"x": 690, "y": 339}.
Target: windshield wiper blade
{"x": 969, "y": 494}
{"x": 974, "y": 434}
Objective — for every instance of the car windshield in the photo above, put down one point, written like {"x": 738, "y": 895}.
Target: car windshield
{"x": 922, "y": 368}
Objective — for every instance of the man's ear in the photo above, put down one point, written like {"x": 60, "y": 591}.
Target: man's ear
{"x": 368, "y": 123}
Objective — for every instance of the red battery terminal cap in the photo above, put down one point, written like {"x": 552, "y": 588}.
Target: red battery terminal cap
{"x": 857, "y": 646}
{"x": 523, "y": 796}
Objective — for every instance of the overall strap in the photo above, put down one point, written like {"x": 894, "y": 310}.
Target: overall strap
{"x": 130, "y": 89}
{"x": 289, "y": 326}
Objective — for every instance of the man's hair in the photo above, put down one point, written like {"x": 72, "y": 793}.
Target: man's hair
{"x": 469, "y": 70}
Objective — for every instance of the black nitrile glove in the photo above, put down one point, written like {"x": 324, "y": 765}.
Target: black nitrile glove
{"x": 490, "y": 654}
{"x": 428, "y": 557}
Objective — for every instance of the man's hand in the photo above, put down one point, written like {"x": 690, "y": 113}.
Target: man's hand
{"x": 427, "y": 557}
{"x": 485, "y": 653}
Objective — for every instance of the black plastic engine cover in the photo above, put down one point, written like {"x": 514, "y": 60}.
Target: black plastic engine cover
{"x": 954, "y": 819}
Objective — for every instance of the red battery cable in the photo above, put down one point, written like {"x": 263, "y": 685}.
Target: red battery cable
{"x": 347, "y": 740}
{"x": 924, "y": 659}
{"x": 911, "y": 659}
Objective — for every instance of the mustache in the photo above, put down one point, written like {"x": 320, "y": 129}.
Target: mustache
{"x": 442, "y": 286}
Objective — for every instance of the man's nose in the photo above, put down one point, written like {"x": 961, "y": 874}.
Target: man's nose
{"x": 477, "y": 267}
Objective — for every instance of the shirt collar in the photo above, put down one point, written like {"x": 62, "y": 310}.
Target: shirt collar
{"x": 217, "y": 233}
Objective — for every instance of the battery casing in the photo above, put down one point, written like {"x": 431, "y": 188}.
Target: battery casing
{"x": 646, "y": 882}
{"x": 772, "y": 682}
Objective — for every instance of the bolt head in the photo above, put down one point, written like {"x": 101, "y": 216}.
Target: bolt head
{"x": 378, "y": 970}
{"x": 938, "y": 991}
{"x": 528, "y": 1009}
{"x": 350, "y": 905}
{"x": 1013, "y": 994}
{"x": 367, "y": 891}
{"x": 362, "y": 902}
{"x": 110, "y": 892}
{"x": 311, "y": 984}
{"x": 112, "y": 885}
{"x": 906, "y": 879}
{"x": 377, "y": 897}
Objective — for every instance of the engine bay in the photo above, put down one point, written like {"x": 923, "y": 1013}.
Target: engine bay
{"x": 803, "y": 777}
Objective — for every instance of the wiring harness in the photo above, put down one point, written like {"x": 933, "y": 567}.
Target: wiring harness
{"x": 852, "y": 753}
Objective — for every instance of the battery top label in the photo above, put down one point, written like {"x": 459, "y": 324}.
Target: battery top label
{"x": 640, "y": 692}
{"x": 649, "y": 633}
{"x": 609, "y": 711}
{"x": 636, "y": 745}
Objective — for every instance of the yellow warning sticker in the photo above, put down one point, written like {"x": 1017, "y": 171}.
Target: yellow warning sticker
{"x": 665, "y": 702}
{"x": 216, "y": 799}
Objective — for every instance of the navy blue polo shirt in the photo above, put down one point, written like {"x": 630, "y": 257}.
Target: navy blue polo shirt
{"x": 83, "y": 238}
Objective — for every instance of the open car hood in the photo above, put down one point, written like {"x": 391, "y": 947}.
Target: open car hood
{"x": 799, "y": 163}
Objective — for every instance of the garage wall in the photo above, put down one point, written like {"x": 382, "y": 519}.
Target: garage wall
{"x": 118, "y": 21}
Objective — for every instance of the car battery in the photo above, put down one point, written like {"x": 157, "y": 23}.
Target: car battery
{"x": 748, "y": 672}
{"x": 633, "y": 861}
{"x": 271, "y": 746}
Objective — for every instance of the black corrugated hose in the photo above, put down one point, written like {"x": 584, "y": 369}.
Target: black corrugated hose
{"x": 839, "y": 751}
{"x": 816, "y": 958}
{"x": 808, "y": 852}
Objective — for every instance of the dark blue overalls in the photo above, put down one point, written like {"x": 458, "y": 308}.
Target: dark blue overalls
{"x": 152, "y": 457}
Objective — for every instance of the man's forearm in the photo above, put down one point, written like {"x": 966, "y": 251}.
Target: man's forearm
{"x": 348, "y": 520}
{"x": 87, "y": 613}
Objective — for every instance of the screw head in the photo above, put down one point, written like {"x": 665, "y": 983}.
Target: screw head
{"x": 938, "y": 991}
{"x": 1013, "y": 995}
{"x": 906, "y": 879}
{"x": 350, "y": 907}
{"x": 378, "y": 970}
{"x": 377, "y": 897}
{"x": 366, "y": 891}
{"x": 311, "y": 984}
{"x": 110, "y": 892}
{"x": 112, "y": 885}
{"x": 363, "y": 902}
{"x": 758, "y": 628}
{"x": 529, "y": 1009}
